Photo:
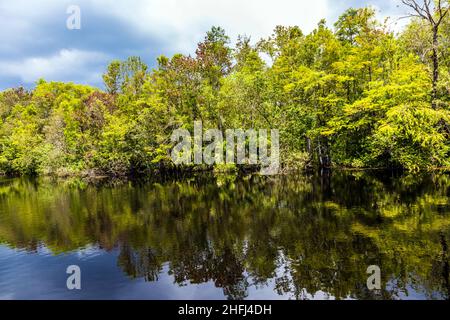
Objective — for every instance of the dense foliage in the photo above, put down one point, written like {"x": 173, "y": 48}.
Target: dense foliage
{"x": 355, "y": 95}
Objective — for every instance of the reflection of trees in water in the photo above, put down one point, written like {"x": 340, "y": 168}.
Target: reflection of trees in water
{"x": 296, "y": 235}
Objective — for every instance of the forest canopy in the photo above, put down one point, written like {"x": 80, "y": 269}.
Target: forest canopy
{"x": 352, "y": 95}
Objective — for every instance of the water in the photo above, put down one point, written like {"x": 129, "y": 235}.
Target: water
{"x": 223, "y": 237}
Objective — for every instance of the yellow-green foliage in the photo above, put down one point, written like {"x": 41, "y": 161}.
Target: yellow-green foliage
{"x": 355, "y": 95}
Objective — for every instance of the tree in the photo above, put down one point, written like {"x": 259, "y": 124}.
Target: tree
{"x": 112, "y": 77}
{"x": 125, "y": 76}
{"x": 134, "y": 74}
{"x": 214, "y": 56}
{"x": 353, "y": 23}
{"x": 355, "y": 95}
{"x": 433, "y": 12}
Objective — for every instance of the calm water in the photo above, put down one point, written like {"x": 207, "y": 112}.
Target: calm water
{"x": 294, "y": 237}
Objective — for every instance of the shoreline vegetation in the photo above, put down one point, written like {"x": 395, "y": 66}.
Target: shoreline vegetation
{"x": 351, "y": 97}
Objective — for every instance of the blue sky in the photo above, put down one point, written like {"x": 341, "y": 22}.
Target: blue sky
{"x": 35, "y": 42}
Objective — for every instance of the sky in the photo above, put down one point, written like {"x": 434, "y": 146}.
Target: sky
{"x": 35, "y": 41}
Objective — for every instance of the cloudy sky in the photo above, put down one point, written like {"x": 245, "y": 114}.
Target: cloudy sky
{"x": 36, "y": 43}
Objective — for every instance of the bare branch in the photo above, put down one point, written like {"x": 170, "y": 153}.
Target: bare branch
{"x": 433, "y": 13}
{"x": 420, "y": 11}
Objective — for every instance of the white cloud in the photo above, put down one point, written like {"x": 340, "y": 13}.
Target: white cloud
{"x": 34, "y": 38}
{"x": 66, "y": 65}
{"x": 184, "y": 22}
{"x": 181, "y": 23}
{"x": 391, "y": 13}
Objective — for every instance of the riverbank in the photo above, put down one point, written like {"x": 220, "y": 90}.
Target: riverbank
{"x": 174, "y": 173}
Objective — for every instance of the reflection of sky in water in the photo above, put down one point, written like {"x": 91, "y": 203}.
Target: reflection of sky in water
{"x": 410, "y": 293}
{"x": 41, "y": 275}
{"x": 29, "y": 276}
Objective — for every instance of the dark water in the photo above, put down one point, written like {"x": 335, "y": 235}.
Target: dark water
{"x": 293, "y": 237}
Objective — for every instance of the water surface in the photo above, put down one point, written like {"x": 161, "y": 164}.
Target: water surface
{"x": 225, "y": 237}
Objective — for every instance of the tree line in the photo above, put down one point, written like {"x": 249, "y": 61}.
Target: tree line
{"x": 353, "y": 95}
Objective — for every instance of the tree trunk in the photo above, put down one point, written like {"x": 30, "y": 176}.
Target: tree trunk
{"x": 435, "y": 58}
{"x": 323, "y": 154}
